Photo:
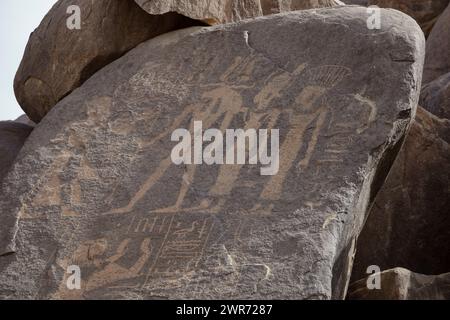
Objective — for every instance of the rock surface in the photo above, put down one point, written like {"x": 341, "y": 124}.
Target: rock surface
{"x": 25, "y": 120}
{"x": 12, "y": 138}
{"x": 96, "y": 187}
{"x": 225, "y": 11}
{"x": 402, "y": 284}
{"x": 425, "y": 12}
{"x": 437, "y": 61}
{"x": 409, "y": 225}
{"x": 435, "y": 96}
{"x": 58, "y": 60}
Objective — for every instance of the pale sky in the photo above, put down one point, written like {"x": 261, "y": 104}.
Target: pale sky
{"x": 18, "y": 18}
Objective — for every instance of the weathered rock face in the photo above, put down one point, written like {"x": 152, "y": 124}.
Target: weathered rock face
{"x": 402, "y": 284}
{"x": 12, "y": 138}
{"x": 437, "y": 61}
{"x": 435, "y": 97}
{"x": 225, "y": 11}
{"x": 58, "y": 60}
{"x": 426, "y": 12}
{"x": 98, "y": 187}
{"x": 409, "y": 224}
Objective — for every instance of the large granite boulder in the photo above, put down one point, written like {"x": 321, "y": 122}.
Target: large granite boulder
{"x": 58, "y": 60}
{"x": 437, "y": 60}
{"x": 409, "y": 224}
{"x": 225, "y": 11}
{"x": 426, "y": 12}
{"x": 97, "y": 186}
{"x": 12, "y": 138}
{"x": 402, "y": 284}
{"x": 435, "y": 96}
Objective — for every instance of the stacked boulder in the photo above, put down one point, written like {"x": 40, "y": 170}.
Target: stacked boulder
{"x": 409, "y": 223}
{"x": 95, "y": 187}
{"x": 58, "y": 60}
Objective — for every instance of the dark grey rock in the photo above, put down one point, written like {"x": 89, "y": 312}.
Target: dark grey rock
{"x": 409, "y": 225}
{"x": 96, "y": 186}
{"x": 437, "y": 60}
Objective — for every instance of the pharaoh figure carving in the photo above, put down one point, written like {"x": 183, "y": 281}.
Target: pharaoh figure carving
{"x": 171, "y": 239}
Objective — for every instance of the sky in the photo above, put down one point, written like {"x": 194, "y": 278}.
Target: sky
{"x": 18, "y": 18}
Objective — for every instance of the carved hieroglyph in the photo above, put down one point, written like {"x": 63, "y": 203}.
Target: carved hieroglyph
{"x": 96, "y": 186}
